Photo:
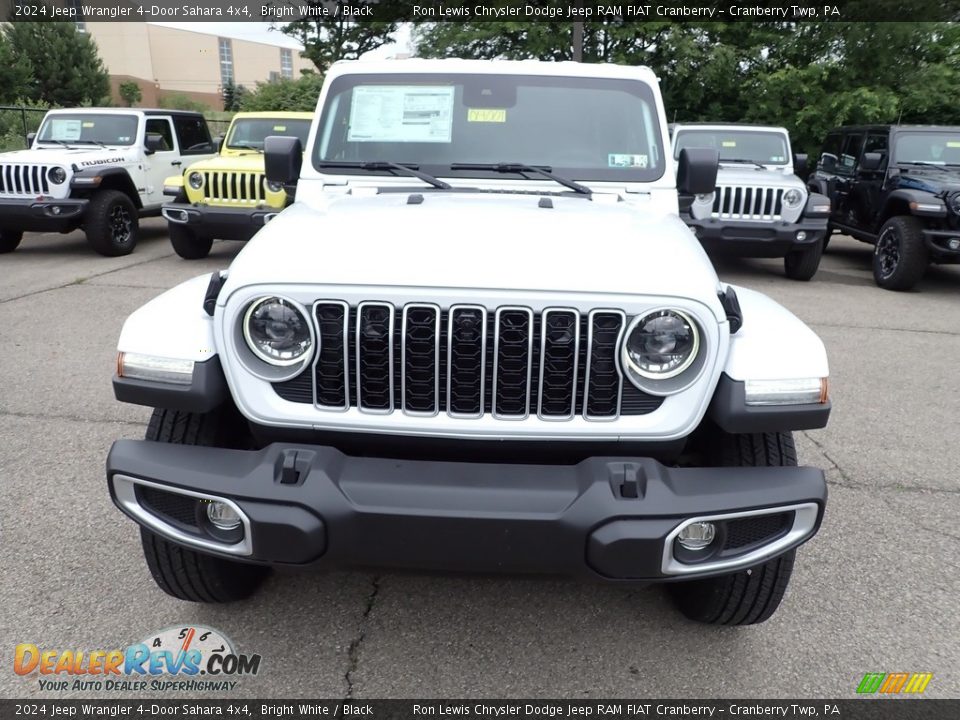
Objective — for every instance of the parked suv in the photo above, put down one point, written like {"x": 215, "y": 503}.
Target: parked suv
{"x": 100, "y": 169}
{"x": 228, "y": 197}
{"x": 760, "y": 207}
{"x": 480, "y": 339}
{"x": 896, "y": 187}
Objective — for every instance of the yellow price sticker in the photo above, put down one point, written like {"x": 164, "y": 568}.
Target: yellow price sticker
{"x": 280, "y": 128}
{"x": 493, "y": 115}
{"x": 88, "y": 124}
{"x": 953, "y": 143}
{"x": 729, "y": 143}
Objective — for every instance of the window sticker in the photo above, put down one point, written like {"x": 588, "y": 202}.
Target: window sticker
{"x": 489, "y": 115}
{"x": 625, "y": 160}
{"x": 953, "y": 143}
{"x": 88, "y": 124}
{"x": 729, "y": 143}
{"x": 401, "y": 113}
{"x": 279, "y": 128}
{"x": 778, "y": 159}
{"x": 66, "y": 130}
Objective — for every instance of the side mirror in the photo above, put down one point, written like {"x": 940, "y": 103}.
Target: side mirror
{"x": 30, "y": 138}
{"x": 800, "y": 164}
{"x": 282, "y": 159}
{"x": 870, "y": 162}
{"x": 154, "y": 143}
{"x": 218, "y": 143}
{"x": 828, "y": 161}
{"x": 697, "y": 171}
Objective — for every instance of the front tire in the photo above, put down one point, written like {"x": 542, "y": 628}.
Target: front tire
{"x": 9, "y": 240}
{"x": 900, "y": 257}
{"x": 803, "y": 264}
{"x": 749, "y": 596}
{"x": 180, "y": 572}
{"x": 112, "y": 224}
{"x": 187, "y": 244}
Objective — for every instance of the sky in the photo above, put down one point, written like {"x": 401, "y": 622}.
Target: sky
{"x": 268, "y": 33}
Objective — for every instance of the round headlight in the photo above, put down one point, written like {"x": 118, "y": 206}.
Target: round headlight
{"x": 953, "y": 202}
{"x": 57, "y": 175}
{"x": 195, "y": 180}
{"x": 792, "y": 198}
{"x": 277, "y": 332}
{"x": 661, "y": 344}
{"x": 274, "y": 186}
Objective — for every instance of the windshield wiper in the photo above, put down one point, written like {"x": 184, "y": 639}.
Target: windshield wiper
{"x": 244, "y": 146}
{"x": 373, "y": 165}
{"x": 743, "y": 160}
{"x": 90, "y": 142}
{"x": 58, "y": 142}
{"x": 543, "y": 170}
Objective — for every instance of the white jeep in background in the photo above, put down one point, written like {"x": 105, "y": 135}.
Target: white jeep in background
{"x": 100, "y": 169}
{"x": 760, "y": 208}
{"x": 481, "y": 339}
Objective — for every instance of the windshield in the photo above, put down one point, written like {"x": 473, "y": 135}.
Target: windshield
{"x": 84, "y": 128}
{"x": 581, "y": 128}
{"x": 766, "y": 148}
{"x": 940, "y": 148}
{"x": 249, "y": 133}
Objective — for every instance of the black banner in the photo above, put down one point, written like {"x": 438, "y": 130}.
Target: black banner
{"x": 479, "y": 10}
{"x": 893, "y": 708}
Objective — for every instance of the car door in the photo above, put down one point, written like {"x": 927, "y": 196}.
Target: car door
{"x": 163, "y": 163}
{"x": 851, "y": 149}
{"x": 868, "y": 192}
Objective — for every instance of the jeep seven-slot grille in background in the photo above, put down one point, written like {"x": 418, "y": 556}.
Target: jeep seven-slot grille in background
{"x": 234, "y": 187}
{"x": 30, "y": 180}
{"x": 468, "y": 361}
{"x": 748, "y": 203}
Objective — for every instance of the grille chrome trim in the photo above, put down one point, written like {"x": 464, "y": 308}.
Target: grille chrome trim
{"x": 319, "y": 349}
{"x": 496, "y": 362}
{"x": 753, "y": 202}
{"x": 438, "y": 329}
{"x": 586, "y": 374}
{"x": 544, "y": 323}
{"x": 390, "y": 371}
{"x": 234, "y": 187}
{"x": 483, "y": 360}
{"x": 24, "y": 180}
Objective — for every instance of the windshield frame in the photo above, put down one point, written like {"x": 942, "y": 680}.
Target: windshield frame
{"x": 49, "y": 117}
{"x": 635, "y": 86}
{"x": 286, "y": 121}
{"x": 720, "y": 130}
{"x": 894, "y": 148}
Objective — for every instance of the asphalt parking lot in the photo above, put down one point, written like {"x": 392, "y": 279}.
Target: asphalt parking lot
{"x": 878, "y": 590}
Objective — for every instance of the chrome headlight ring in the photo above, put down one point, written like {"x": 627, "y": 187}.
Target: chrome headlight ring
{"x": 195, "y": 180}
{"x": 679, "y": 374}
{"x": 953, "y": 202}
{"x": 793, "y": 198}
{"x": 300, "y": 338}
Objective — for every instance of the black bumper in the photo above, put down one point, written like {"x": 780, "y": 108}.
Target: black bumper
{"x": 41, "y": 215}
{"x": 604, "y": 518}
{"x": 939, "y": 241}
{"x": 756, "y": 239}
{"x": 222, "y": 223}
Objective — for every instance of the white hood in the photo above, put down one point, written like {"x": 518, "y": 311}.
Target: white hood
{"x": 745, "y": 175}
{"x": 479, "y": 241}
{"x": 81, "y": 157}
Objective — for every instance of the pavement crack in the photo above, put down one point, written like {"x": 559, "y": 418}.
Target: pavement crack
{"x": 72, "y": 418}
{"x": 353, "y": 654}
{"x": 891, "y": 329}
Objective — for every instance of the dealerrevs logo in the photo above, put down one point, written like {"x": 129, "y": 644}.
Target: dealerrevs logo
{"x": 192, "y": 658}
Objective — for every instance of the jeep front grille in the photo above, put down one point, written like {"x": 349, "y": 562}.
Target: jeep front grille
{"x": 468, "y": 361}
{"x": 25, "y": 180}
{"x": 234, "y": 188}
{"x": 748, "y": 203}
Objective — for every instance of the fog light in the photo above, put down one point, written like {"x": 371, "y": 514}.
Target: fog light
{"x": 801, "y": 235}
{"x": 55, "y": 209}
{"x": 954, "y": 244}
{"x": 222, "y": 515}
{"x": 697, "y": 535}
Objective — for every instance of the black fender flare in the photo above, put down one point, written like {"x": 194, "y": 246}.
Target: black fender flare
{"x": 90, "y": 179}
{"x": 920, "y": 203}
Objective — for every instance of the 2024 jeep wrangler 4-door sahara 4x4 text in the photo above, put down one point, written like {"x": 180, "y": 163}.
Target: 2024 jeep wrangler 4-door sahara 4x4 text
{"x": 100, "y": 169}
{"x": 481, "y": 339}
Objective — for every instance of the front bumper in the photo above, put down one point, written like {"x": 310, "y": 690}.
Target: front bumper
{"x": 756, "y": 238}
{"x": 46, "y": 215}
{"x": 939, "y": 241}
{"x": 222, "y": 223}
{"x": 604, "y": 518}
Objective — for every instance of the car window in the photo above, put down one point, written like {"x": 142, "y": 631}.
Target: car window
{"x": 766, "y": 148}
{"x": 937, "y": 147}
{"x": 850, "y": 153}
{"x": 830, "y": 152}
{"x": 193, "y": 134}
{"x": 249, "y": 133}
{"x": 88, "y": 128}
{"x": 876, "y": 143}
{"x": 582, "y": 128}
{"x": 161, "y": 127}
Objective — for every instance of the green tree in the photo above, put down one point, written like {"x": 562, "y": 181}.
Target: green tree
{"x": 334, "y": 36}
{"x": 293, "y": 95}
{"x": 233, "y": 97}
{"x": 66, "y": 69}
{"x": 16, "y": 73}
{"x": 130, "y": 93}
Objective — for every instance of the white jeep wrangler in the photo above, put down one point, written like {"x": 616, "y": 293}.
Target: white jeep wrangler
{"x": 481, "y": 339}
{"x": 100, "y": 169}
{"x": 760, "y": 208}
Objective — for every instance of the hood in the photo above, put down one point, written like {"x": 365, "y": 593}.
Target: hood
{"x": 81, "y": 157}
{"x": 242, "y": 161}
{"x": 746, "y": 175}
{"x": 928, "y": 179}
{"x": 482, "y": 241}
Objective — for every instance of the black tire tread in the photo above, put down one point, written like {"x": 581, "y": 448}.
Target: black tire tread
{"x": 187, "y": 244}
{"x": 914, "y": 256}
{"x": 9, "y": 240}
{"x": 96, "y": 223}
{"x": 802, "y": 264}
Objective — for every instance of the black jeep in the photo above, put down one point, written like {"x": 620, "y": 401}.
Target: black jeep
{"x": 896, "y": 187}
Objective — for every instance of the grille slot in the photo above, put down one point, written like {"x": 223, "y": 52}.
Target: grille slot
{"x": 468, "y": 361}
{"x": 752, "y": 530}
{"x": 172, "y": 506}
{"x": 233, "y": 187}
{"x": 748, "y": 203}
{"x": 26, "y": 180}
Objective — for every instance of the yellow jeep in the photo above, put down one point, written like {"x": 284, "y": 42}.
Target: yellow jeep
{"x": 228, "y": 197}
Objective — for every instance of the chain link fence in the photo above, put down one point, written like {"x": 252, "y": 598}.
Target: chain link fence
{"x": 15, "y": 123}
